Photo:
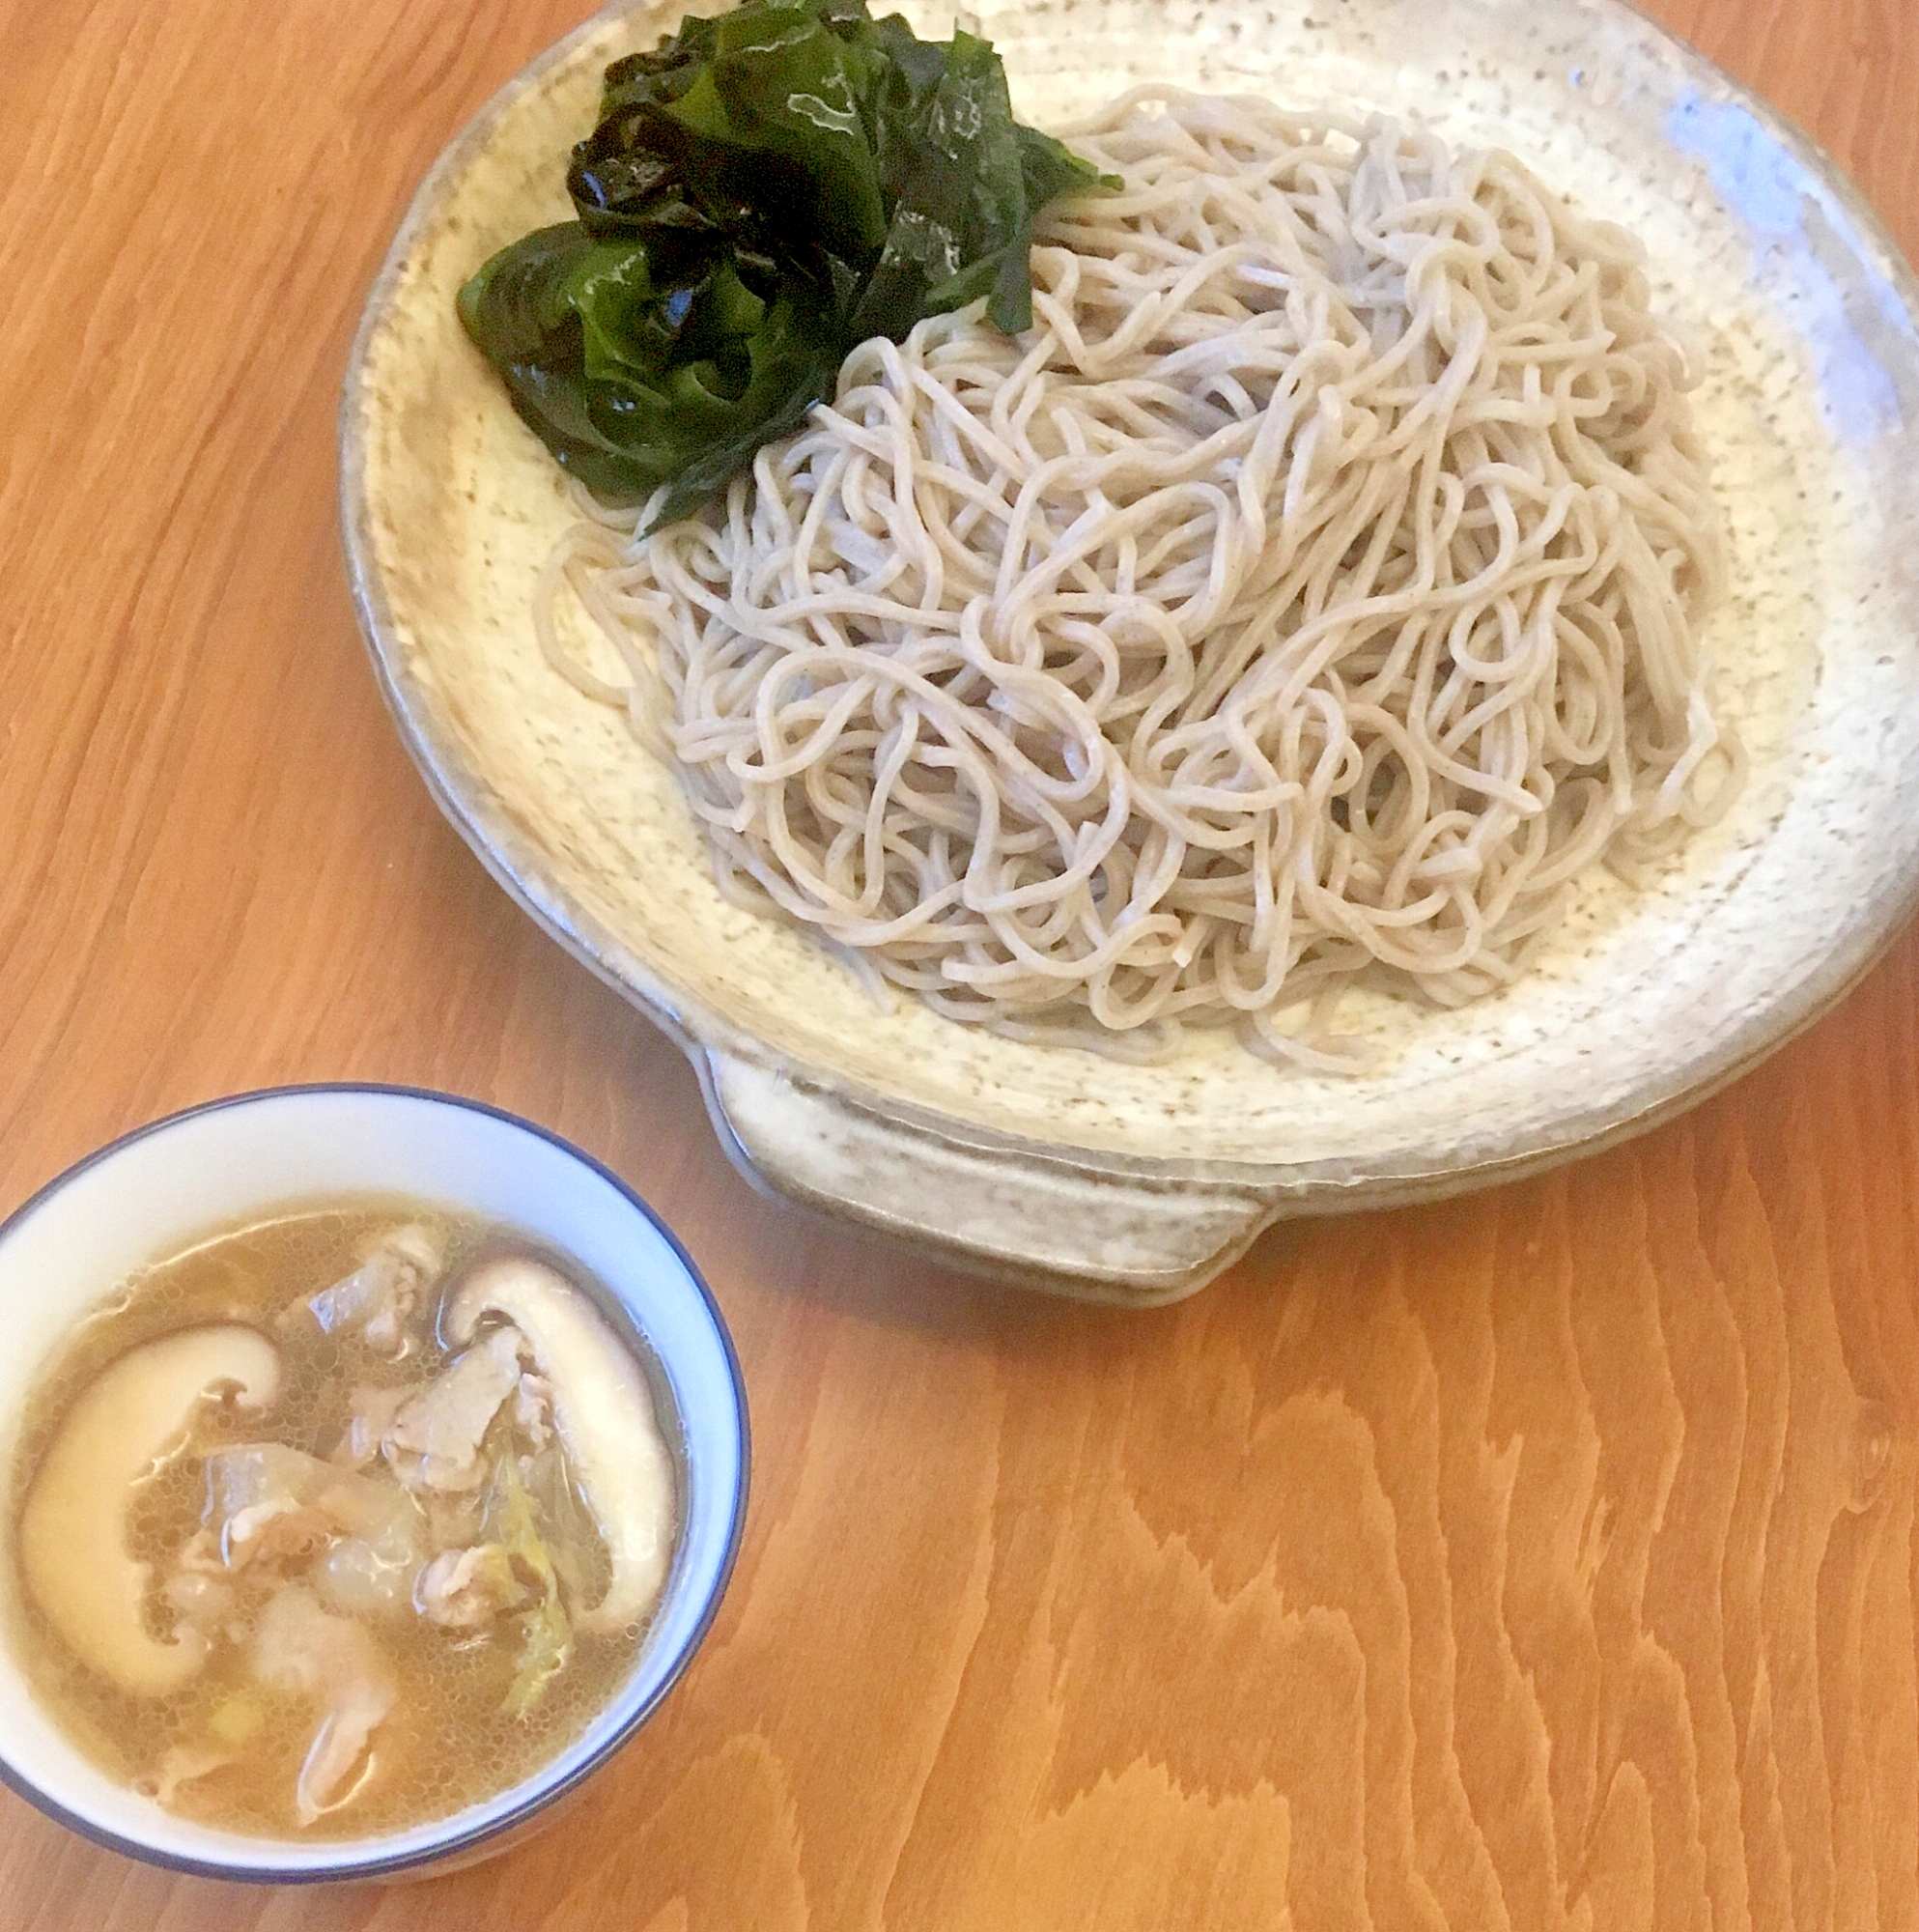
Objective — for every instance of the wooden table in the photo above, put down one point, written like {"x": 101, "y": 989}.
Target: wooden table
{"x": 1544, "y": 1559}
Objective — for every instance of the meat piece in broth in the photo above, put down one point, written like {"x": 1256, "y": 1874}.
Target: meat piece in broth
{"x": 268, "y": 1505}
{"x": 370, "y": 1416}
{"x": 263, "y": 1503}
{"x": 379, "y": 1299}
{"x": 203, "y": 1603}
{"x": 302, "y": 1647}
{"x": 184, "y": 1765}
{"x": 437, "y": 1441}
{"x": 466, "y": 1589}
{"x": 533, "y": 1409}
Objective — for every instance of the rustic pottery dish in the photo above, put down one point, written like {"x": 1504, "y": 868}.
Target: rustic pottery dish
{"x": 1138, "y": 1183}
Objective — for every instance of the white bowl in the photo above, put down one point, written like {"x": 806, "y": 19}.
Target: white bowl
{"x": 152, "y": 1192}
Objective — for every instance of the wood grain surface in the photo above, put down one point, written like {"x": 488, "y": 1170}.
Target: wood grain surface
{"x": 1545, "y": 1559}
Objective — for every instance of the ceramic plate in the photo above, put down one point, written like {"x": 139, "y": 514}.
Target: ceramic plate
{"x": 1138, "y": 1183}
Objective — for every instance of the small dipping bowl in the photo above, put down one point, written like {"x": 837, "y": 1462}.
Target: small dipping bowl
{"x": 153, "y": 1194}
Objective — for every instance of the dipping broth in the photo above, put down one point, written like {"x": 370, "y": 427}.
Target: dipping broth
{"x": 338, "y": 1522}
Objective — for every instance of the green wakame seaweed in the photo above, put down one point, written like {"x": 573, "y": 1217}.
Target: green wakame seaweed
{"x": 763, "y": 192}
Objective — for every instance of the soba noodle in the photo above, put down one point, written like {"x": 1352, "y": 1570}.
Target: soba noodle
{"x": 1309, "y": 593}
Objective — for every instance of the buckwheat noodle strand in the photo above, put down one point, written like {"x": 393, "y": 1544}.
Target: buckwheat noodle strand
{"x": 1310, "y": 593}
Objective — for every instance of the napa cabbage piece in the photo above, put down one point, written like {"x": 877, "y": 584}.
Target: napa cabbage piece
{"x": 763, "y": 192}
{"x": 545, "y": 1632}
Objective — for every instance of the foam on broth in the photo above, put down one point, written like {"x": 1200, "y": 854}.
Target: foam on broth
{"x": 448, "y": 1742}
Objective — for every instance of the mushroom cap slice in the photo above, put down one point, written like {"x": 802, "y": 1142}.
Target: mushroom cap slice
{"x": 604, "y": 1417}
{"x": 73, "y": 1528}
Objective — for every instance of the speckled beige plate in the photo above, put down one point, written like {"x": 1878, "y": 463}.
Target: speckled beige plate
{"x": 1138, "y": 1183}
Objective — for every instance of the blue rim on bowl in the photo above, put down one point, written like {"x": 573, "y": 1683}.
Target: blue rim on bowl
{"x": 542, "y": 1793}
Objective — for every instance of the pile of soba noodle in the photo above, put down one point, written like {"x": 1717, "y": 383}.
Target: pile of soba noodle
{"x": 1309, "y": 593}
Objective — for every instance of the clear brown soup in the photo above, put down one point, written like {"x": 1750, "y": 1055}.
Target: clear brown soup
{"x": 472, "y": 1707}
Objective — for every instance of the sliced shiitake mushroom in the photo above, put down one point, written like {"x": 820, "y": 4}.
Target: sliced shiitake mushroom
{"x": 604, "y": 1417}
{"x": 73, "y": 1528}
